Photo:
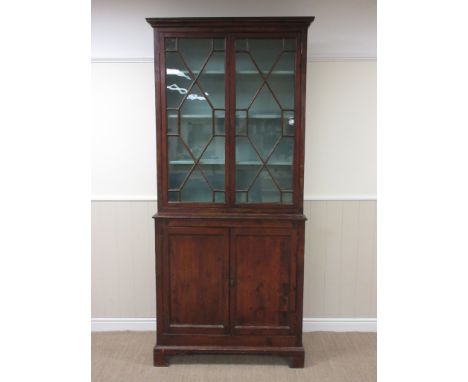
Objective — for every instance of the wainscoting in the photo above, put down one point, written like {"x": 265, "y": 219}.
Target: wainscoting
{"x": 340, "y": 265}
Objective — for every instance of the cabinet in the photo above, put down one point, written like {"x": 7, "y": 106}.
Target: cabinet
{"x": 230, "y": 98}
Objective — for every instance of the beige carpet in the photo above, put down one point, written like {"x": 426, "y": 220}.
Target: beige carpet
{"x": 333, "y": 357}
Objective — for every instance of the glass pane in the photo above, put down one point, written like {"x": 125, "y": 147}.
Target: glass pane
{"x": 196, "y": 189}
{"x": 281, "y": 80}
{"x": 172, "y": 122}
{"x": 265, "y": 122}
{"x": 195, "y": 98}
{"x": 241, "y": 197}
{"x": 265, "y": 73}
{"x": 173, "y": 196}
{"x": 265, "y": 52}
{"x": 241, "y": 44}
{"x": 219, "y": 197}
{"x": 288, "y": 123}
{"x": 178, "y": 80}
{"x": 171, "y": 43}
{"x": 248, "y": 164}
{"x": 287, "y": 197}
{"x": 212, "y": 80}
{"x": 241, "y": 123}
{"x": 180, "y": 162}
{"x": 289, "y": 44}
{"x": 248, "y": 80}
{"x": 264, "y": 190}
{"x": 195, "y": 52}
{"x": 212, "y": 163}
{"x": 280, "y": 163}
{"x": 218, "y": 44}
{"x": 219, "y": 122}
{"x": 196, "y": 122}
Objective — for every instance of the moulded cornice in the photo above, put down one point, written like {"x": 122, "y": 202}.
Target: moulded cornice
{"x": 301, "y": 21}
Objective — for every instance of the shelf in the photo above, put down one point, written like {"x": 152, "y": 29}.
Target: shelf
{"x": 205, "y": 162}
{"x": 274, "y": 72}
{"x": 207, "y": 116}
{"x": 217, "y": 163}
{"x": 253, "y": 163}
{"x": 222, "y": 72}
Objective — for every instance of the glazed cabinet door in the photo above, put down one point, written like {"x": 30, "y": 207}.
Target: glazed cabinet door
{"x": 266, "y": 92}
{"x": 194, "y": 109}
{"x": 263, "y": 274}
{"x": 195, "y": 274}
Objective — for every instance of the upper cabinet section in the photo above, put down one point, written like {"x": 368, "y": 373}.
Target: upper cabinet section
{"x": 230, "y": 113}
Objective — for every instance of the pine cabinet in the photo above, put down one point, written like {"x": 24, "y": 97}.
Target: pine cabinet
{"x": 230, "y": 98}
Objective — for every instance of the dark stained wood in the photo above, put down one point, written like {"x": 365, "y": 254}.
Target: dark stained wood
{"x": 262, "y": 275}
{"x": 231, "y": 22}
{"x": 229, "y": 277}
{"x": 230, "y": 28}
{"x": 293, "y": 354}
{"x": 197, "y": 270}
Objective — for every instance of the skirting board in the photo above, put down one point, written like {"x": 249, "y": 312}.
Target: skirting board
{"x": 309, "y": 324}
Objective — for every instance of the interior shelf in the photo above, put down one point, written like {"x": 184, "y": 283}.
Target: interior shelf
{"x": 217, "y": 163}
{"x": 248, "y": 72}
{"x": 207, "y": 116}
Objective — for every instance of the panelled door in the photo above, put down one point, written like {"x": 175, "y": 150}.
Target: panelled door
{"x": 195, "y": 273}
{"x": 263, "y": 279}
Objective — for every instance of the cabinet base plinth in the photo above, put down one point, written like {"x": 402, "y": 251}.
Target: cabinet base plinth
{"x": 295, "y": 355}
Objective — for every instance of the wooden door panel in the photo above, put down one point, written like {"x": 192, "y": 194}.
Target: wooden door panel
{"x": 197, "y": 280}
{"x": 262, "y": 280}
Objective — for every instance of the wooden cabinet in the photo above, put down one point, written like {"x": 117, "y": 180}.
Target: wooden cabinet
{"x": 230, "y": 98}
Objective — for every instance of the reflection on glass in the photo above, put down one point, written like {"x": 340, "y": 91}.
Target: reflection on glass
{"x": 178, "y": 80}
{"x": 195, "y": 101}
{"x": 288, "y": 123}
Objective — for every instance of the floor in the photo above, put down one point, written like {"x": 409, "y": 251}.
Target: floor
{"x": 330, "y": 356}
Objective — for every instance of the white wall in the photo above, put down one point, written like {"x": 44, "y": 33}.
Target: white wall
{"x": 342, "y": 29}
{"x": 340, "y": 130}
{"x": 340, "y": 160}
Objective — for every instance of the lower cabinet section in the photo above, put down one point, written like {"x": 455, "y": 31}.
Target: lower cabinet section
{"x": 229, "y": 286}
